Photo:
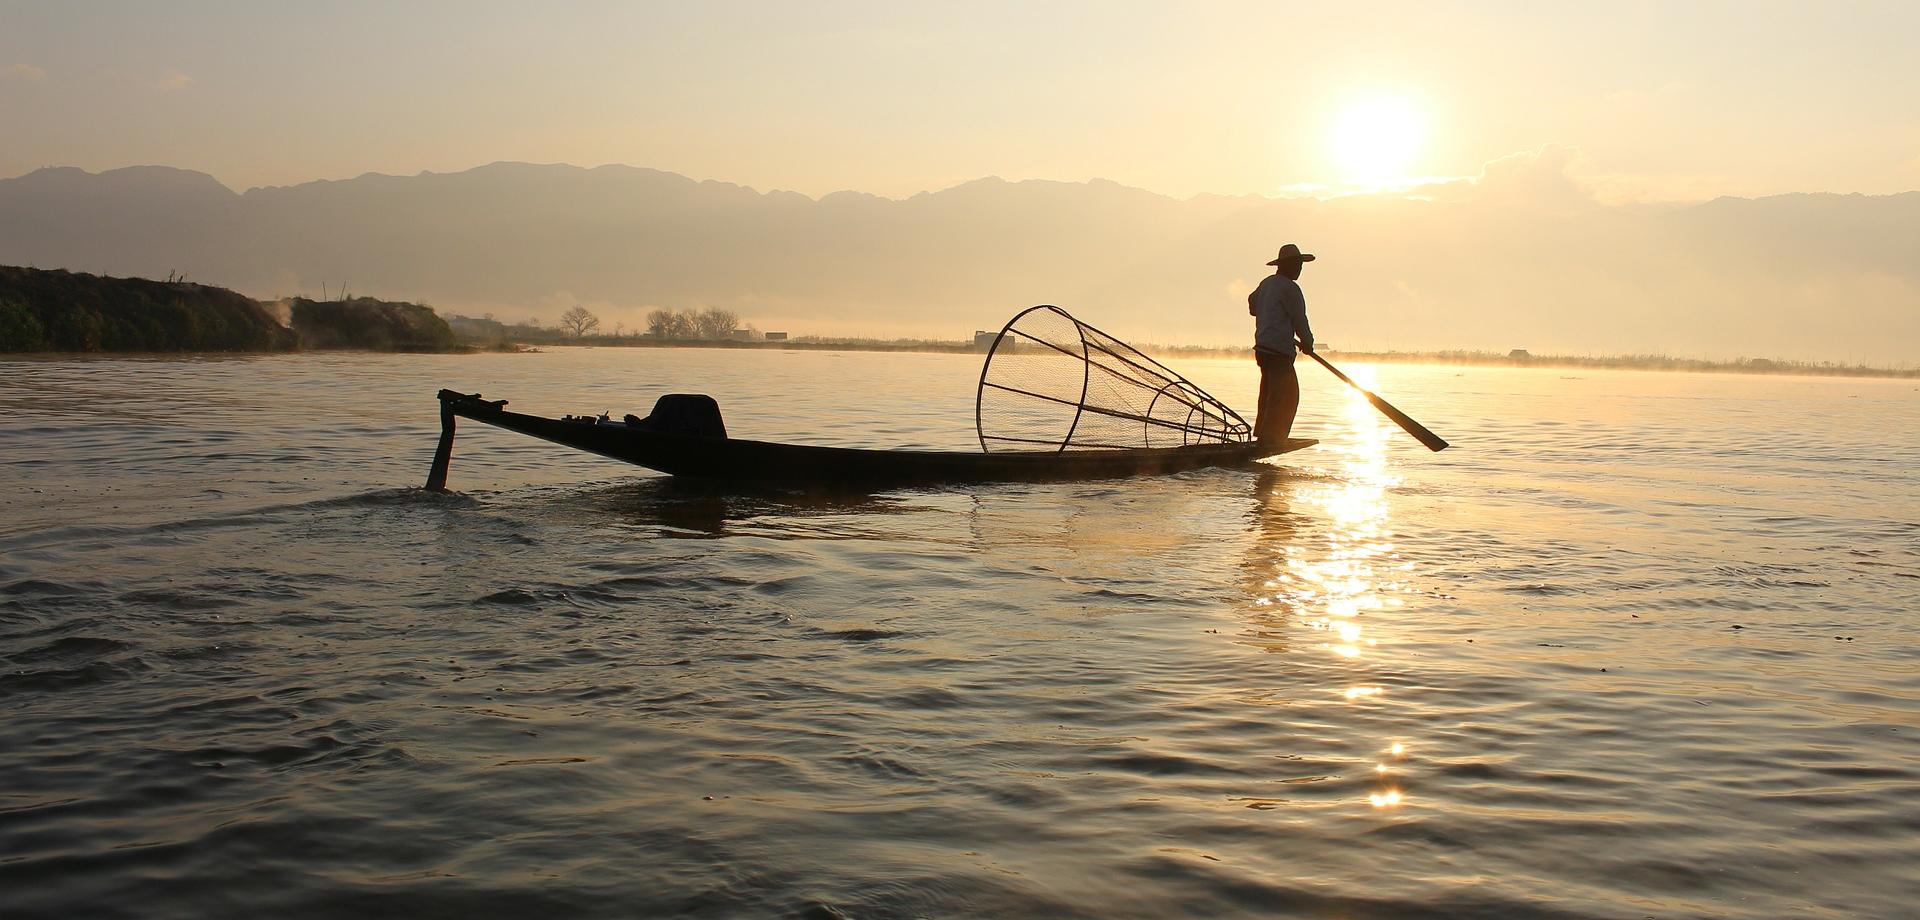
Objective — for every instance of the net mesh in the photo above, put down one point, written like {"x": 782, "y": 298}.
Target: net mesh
{"x": 1052, "y": 382}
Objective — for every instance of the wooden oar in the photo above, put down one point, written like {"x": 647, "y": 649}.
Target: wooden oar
{"x": 1433, "y": 441}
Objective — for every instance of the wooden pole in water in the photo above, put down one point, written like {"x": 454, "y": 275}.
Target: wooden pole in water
{"x": 442, "y": 455}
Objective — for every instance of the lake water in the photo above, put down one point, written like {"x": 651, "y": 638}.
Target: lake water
{"x": 1640, "y": 645}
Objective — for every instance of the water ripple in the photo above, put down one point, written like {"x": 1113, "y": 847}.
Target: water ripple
{"x": 1638, "y": 647}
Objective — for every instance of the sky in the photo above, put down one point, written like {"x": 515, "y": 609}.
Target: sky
{"x": 1656, "y": 101}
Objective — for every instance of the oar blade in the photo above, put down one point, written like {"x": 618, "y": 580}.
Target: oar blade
{"x": 1433, "y": 441}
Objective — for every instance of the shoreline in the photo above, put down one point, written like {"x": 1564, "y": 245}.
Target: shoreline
{"x": 1660, "y": 363}
{"x": 1752, "y": 368}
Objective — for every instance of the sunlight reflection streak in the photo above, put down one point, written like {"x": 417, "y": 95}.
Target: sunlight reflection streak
{"x": 1334, "y": 583}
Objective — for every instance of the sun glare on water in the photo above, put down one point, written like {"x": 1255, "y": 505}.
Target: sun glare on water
{"x": 1374, "y": 141}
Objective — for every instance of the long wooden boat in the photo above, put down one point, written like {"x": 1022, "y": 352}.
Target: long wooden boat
{"x": 1057, "y": 399}
{"x": 741, "y": 460}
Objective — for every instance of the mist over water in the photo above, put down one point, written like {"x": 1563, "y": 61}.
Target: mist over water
{"x": 1639, "y": 645}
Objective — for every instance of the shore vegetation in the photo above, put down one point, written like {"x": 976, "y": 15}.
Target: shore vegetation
{"x": 53, "y": 310}
{"x": 70, "y": 311}
{"x": 367, "y": 324}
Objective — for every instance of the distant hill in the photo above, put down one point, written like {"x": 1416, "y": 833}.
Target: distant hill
{"x": 1521, "y": 257}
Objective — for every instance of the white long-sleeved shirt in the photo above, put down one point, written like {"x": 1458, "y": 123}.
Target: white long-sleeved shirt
{"x": 1279, "y": 314}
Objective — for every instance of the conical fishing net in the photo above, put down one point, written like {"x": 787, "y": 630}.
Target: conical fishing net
{"x": 1052, "y": 382}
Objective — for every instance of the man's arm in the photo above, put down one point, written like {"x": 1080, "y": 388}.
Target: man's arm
{"x": 1297, "y": 310}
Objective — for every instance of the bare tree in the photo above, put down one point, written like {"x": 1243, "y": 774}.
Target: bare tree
{"x": 660, "y": 323}
{"x": 715, "y": 323}
{"x": 578, "y": 322}
{"x": 682, "y": 325}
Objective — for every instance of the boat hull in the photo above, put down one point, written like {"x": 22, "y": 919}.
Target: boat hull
{"x": 736, "y": 459}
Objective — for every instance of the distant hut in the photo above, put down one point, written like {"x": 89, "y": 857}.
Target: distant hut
{"x": 983, "y": 341}
{"x": 1519, "y": 354}
{"x": 776, "y": 336}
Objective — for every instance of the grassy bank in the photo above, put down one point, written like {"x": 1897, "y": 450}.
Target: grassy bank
{"x": 66, "y": 311}
{"x": 368, "y": 324}
{"x": 54, "y": 310}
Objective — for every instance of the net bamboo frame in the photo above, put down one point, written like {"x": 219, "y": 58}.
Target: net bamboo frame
{"x": 1053, "y": 383}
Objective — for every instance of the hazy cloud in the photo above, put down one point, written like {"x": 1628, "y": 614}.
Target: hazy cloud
{"x": 172, "y": 81}
{"x": 27, "y": 72}
{"x": 1539, "y": 179}
{"x": 1638, "y": 102}
{"x": 1305, "y": 190}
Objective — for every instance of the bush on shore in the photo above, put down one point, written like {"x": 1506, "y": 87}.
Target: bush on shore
{"x": 363, "y": 322}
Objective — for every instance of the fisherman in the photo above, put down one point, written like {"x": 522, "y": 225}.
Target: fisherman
{"x": 1280, "y": 317}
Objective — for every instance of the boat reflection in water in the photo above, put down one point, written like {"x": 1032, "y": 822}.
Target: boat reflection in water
{"x": 1330, "y": 564}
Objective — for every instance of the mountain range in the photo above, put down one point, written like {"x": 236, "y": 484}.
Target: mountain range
{"x": 1520, "y": 256}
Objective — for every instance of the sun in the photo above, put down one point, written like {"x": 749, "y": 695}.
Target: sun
{"x": 1374, "y": 141}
